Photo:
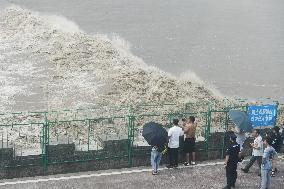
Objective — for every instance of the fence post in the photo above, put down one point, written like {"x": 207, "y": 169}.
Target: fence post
{"x": 131, "y": 119}
{"x": 45, "y": 144}
{"x": 207, "y": 130}
{"x": 88, "y": 136}
{"x": 224, "y": 136}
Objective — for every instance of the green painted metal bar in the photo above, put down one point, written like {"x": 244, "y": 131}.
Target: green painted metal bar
{"x": 78, "y": 120}
{"x": 130, "y": 138}
{"x": 149, "y": 115}
{"x": 36, "y": 123}
{"x": 89, "y": 126}
{"x": 5, "y": 125}
{"x": 17, "y": 113}
{"x": 45, "y": 145}
{"x": 43, "y": 148}
{"x": 208, "y": 128}
{"x": 169, "y": 104}
{"x": 130, "y": 122}
{"x": 224, "y": 135}
{"x": 37, "y": 112}
{"x": 66, "y": 121}
{"x": 218, "y": 111}
{"x": 20, "y": 124}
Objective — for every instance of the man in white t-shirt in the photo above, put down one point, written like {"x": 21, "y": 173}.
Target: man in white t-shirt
{"x": 174, "y": 133}
{"x": 257, "y": 151}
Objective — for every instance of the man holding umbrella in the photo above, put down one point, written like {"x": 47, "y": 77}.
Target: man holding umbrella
{"x": 242, "y": 125}
{"x": 156, "y": 136}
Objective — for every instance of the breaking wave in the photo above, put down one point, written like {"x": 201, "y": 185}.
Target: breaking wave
{"x": 48, "y": 62}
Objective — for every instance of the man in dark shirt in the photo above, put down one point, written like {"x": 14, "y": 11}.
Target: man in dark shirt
{"x": 231, "y": 162}
{"x": 276, "y": 139}
{"x": 276, "y": 144}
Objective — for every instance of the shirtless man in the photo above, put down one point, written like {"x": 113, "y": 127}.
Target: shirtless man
{"x": 189, "y": 141}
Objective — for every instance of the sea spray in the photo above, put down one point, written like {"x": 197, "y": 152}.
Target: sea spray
{"x": 87, "y": 69}
{"x": 51, "y": 62}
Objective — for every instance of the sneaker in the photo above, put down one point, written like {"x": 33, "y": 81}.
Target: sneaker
{"x": 186, "y": 164}
{"x": 244, "y": 170}
{"x": 169, "y": 166}
{"x": 175, "y": 166}
{"x": 154, "y": 172}
{"x": 193, "y": 163}
{"x": 273, "y": 174}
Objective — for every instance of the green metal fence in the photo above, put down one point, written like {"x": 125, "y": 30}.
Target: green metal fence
{"x": 102, "y": 134}
{"x": 22, "y": 134}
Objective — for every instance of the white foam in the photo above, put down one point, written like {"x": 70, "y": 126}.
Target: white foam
{"x": 61, "y": 23}
{"x": 81, "y": 63}
{"x": 192, "y": 76}
{"x": 51, "y": 57}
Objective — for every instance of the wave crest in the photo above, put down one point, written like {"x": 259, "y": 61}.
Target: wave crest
{"x": 73, "y": 69}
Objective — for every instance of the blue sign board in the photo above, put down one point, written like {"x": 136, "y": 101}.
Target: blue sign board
{"x": 262, "y": 115}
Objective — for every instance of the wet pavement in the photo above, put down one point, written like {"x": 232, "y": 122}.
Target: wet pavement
{"x": 204, "y": 175}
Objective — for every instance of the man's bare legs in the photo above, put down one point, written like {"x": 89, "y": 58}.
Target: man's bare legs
{"x": 187, "y": 159}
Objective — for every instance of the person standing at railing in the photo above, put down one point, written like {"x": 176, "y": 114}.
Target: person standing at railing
{"x": 189, "y": 141}
{"x": 257, "y": 152}
{"x": 173, "y": 146}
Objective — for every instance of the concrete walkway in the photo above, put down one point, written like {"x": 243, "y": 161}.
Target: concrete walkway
{"x": 202, "y": 176}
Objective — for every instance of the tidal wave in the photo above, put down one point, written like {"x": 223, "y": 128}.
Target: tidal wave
{"x": 48, "y": 62}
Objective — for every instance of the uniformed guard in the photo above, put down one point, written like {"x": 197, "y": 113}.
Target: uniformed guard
{"x": 231, "y": 161}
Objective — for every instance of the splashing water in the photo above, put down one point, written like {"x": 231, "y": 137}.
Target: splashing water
{"x": 47, "y": 62}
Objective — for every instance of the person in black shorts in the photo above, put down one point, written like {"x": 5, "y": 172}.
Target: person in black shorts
{"x": 189, "y": 141}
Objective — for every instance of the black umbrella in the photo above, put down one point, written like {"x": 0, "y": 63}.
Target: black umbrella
{"x": 241, "y": 120}
{"x": 155, "y": 134}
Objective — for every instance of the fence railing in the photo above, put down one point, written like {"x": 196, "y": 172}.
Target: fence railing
{"x": 101, "y": 134}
